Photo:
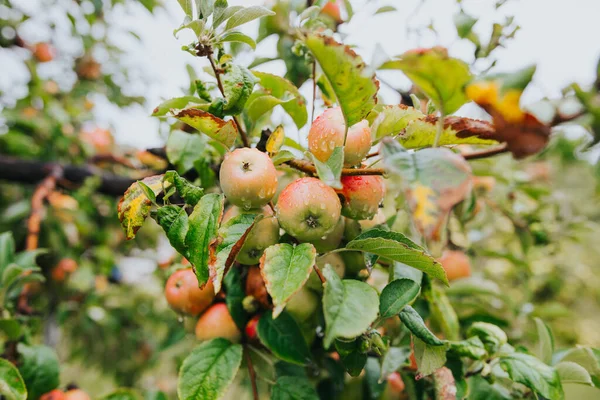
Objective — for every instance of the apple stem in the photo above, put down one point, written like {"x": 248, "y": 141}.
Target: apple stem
{"x": 217, "y": 72}
{"x": 475, "y": 155}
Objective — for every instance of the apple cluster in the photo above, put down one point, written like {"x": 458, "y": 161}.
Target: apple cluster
{"x": 305, "y": 208}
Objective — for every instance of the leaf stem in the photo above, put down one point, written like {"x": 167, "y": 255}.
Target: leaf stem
{"x": 252, "y": 374}
{"x": 440, "y": 129}
{"x": 217, "y": 72}
{"x": 319, "y": 273}
{"x": 486, "y": 152}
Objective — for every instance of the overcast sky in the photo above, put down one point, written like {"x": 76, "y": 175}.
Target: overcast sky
{"x": 561, "y": 37}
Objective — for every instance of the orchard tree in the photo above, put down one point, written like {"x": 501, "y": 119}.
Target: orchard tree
{"x": 343, "y": 268}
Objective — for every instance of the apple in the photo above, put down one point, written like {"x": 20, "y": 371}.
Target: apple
{"x": 184, "y": 295}
{"x": 216, "y": 322}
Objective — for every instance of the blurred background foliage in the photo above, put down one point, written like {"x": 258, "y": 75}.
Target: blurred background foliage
{"x": 530, "y": 227}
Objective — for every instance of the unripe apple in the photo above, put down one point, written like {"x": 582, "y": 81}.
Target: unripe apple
{"x": 332, "y": 240}
{"x": 308, "y": 209}
{"x": 184, "y": 295}
{"x": 264, "y": 233}
{"x": 43, "y": 52}
{"x": 285, "y": 176}
{"x": 456, "y": 264}
{"x": 336, "y": 262}
{"x": 255, "y": 287}
{"x": 56, "y": 394}
{"x": 354, "y": 261}
{"x": 248, "y": 178}
{"x": 76, "y": 394}
{"x": 217, "y": 322}
{"x": 327, "y": 133}
{"x": 251, "y": 328}
{"x": 361, "y": 196}
{"x": 303, "y": 304}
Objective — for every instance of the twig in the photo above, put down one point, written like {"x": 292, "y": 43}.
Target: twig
{"x": 308, "y": 168}
{"x": 314, "y": 93}
{"x": 252, "y": 374}
{"x": 486, "y": 153}
{"x": 374, "y": 154}
{"x": 561, "y": 119}
{"x": 222, "y": 89}
{"x": 111, "y": 158}
{"x": 319, "y": 273}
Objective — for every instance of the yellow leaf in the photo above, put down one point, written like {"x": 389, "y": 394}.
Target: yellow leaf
{"x": 134, "y": 207}
{"x": 275, "y": 140}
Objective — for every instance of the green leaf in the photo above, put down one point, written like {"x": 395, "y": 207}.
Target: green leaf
{"x": 576, "y": 392}
{"x": 440, "y": 77}
{"x": 134, "y": 207}
{"x": 349, "y": 306}
{"x": 123, "y": 394}
{"x": 205, "y": 8}
{"x": 231, "y": 239}
{"x": 27, "y": 259}
{"x": 464, "y": 24}
{"x": 570, "y": 372}
{"x": 278, "y": 87}
{"x": 188, "y": 7}
{"x": 293, "y": 388}
{"x": 492, "y": 337}
{"x": 39, "y": 368}
{"x": 545, "y": 345}
{"x": 403, "y": 271}
{"x": 147, "y": 191}
{"x": 285, "y": 269}
{"x": 481, "y": 389}
{"x": 190, "y": 193}
{"x": 177, "y": 103}
{"x": 209, "y": 370}
{"x": 352, "y": 355}
{"x": 416, "y": 326}
{"x": 174, "y": 221}
{"x": 283, "y": 337}
{"x": 235, "y": 36}
{"x": 282, "y": 156}
{"x": 11, "y": 383}
{"x": 330, "y": 171}
{"x": 246, "y": 15}
{"x": 472, "y": 348}
{"x": 396, "y": 295}
{"x": 238, "y": 83}
{"x": 393, "y": 359}
{"x": 385, "y": 9}
{"x": 397, "y": 247}
{"x": 585, "y": 357}
{"x": 531, "y": 372}
{"x": 262, "y": 103}
{"x": 234, "y": 287}
{"x": 203, "y": 226}
{"x": 222, "y": 131}
{"x": 372, "y": 372}
{"x": 223, "y": 13}
{"x": 392, "y": 120}
{"x": 11, "y": 328}
{"x": 429, "y": 358}
{"x": 7, "y": 250}
{"x": 183, "y": 149}
{"x": 354, "y": 85}
{"x": 434, "y": 181}
{"x": 443, "y": 313}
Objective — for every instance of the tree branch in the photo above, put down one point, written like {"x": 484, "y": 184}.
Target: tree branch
{"x": 308, "y": 168}
{"x": 486, "y": 152}
{"x": 28, "y": 171}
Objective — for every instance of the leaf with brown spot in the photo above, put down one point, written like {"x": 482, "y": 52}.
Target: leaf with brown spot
{"x": 134, "y": 206}
{"x": 224, "y": 250}
{"x": 434, "y": 179}
{"x": 222, "y": 131}
{"x": 353, "y": 83}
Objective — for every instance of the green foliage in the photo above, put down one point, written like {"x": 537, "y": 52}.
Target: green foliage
{"x": 283, "y": 337}
{"x": 11, "y": 382}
